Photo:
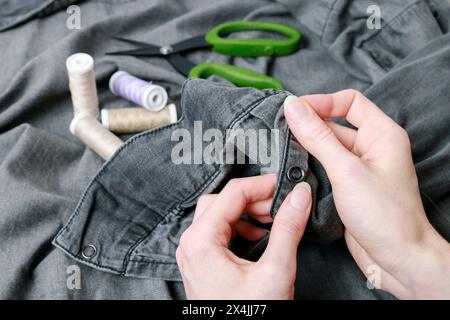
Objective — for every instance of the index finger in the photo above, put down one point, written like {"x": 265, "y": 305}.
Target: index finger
{"x": 231, "y": 202}
{"x": 351, "y": 105}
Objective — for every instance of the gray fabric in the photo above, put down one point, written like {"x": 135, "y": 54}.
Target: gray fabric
{"x": 44, "y": 170}
{"x": 140, "y": 202}
{"x": 14, "y": 12}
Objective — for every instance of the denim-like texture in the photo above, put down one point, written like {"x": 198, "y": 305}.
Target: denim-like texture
{"x": 130, "y": 209}
{"x": 136, "y": 208}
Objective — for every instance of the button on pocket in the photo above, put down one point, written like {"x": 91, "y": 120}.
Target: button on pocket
{"x": 295, "y": 174}
{"x": 89, "y": 251}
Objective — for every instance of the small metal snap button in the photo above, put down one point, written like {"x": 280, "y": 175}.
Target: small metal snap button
{"x": 295, "y": 174}
{"x": 89, "y": 251}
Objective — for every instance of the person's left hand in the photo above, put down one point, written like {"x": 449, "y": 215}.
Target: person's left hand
{"x": 211, "y": 271}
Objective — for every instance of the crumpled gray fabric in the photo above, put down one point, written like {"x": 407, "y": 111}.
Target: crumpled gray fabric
{"x": 15, "y": 12}
{"x": 44, "y": 170}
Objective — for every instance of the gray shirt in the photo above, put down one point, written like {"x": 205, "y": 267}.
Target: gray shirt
{"x": 45, "y": 171}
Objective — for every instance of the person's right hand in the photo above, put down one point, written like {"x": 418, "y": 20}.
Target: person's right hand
{"x": 375, "y": 190}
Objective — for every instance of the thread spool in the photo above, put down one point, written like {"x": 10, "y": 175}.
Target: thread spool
{"x": 80, "y": 68}
{"x": 129, "y": 120}
{"x": 95, "y": 136}
{"x": 146, "y": 94}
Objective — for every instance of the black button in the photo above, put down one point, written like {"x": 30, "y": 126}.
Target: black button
{"x": 89, "y": 251}
{"x": 295, "y": 174}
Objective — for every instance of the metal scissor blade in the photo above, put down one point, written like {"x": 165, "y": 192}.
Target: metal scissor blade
{"x": 181, "y": 64}
{"x": 142, "y": 52}
{"x": 197, "y": 42}
{"x": 144, "y": 49}
{"x": 139, "y": 43}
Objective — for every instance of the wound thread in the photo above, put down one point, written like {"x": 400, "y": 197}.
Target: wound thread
{"x": 146, "y": 94}
{"x": 95, "y": 136}
{"x": 80, "y": 69}
{"x": 129, "y": 120}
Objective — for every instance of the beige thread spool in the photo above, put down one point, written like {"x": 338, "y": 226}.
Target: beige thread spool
{"x": 129, "y": 120}
{"x": 95, "y": 136}
{"x": 80, "y": 68}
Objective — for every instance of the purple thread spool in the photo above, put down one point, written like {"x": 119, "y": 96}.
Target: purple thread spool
{"x": 146, "y": 94}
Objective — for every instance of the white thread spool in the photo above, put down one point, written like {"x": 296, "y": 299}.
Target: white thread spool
{"x": 146, "y": 94}
{"x": 80, "y": 68}
{"x": 95, "y": 136}
{"x": 129, "y": 120}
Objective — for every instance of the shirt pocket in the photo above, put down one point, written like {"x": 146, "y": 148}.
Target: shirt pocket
{"x": 369, "y": 50}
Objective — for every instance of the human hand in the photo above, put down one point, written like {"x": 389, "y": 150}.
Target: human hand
{"x": 211, "y": 271}
{"x": 375, "y": 190}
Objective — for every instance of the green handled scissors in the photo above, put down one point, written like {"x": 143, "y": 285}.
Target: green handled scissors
{"x": 216, "y": 40}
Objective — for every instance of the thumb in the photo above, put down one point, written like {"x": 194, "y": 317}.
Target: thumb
{"x": 288, "y": 227}
{"x": 313, "y": 134}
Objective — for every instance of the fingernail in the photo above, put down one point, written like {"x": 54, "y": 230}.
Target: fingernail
{"x": 295, "y": 108}
{"x": 301, "y": 196}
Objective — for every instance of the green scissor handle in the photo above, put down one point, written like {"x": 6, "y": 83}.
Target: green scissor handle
{"x": 253, "y": 47}
{"x": 241, "y": 77}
